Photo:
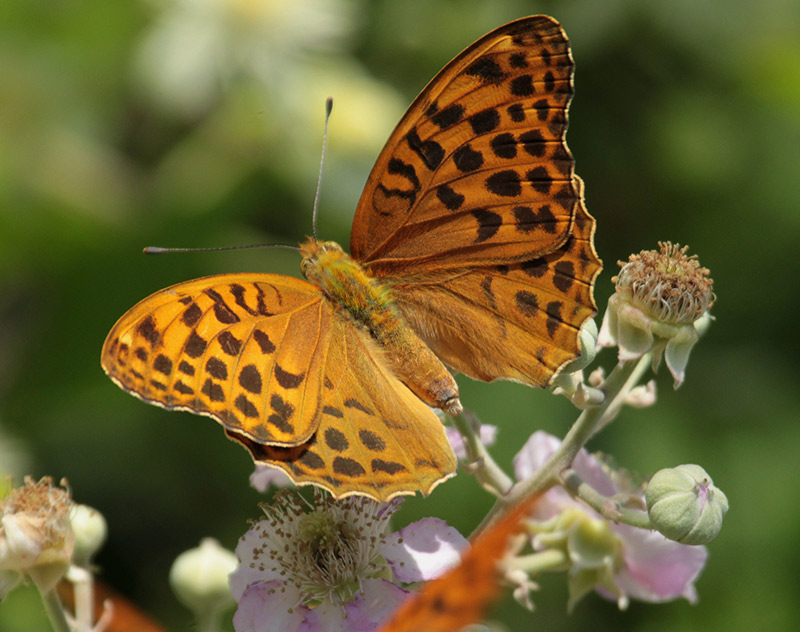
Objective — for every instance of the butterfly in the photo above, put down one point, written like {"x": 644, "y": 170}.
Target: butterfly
{"x": 460, "y": 596}
{"x": 470, "y": 248}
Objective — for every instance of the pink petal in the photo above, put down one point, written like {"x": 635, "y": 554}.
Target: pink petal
{"x": 266, "y": 606}
{"x": 379, "y": 599}
{"x": 264, "y": 477}
{"x": 540, "y": 447}
{"x": 657, "y": 569}
{"x": 423, "y": 550}
{"x": 487, "y": 434}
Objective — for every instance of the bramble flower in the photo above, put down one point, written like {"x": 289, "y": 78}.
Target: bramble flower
{"x": 36, "y": 538}
{"x": 619, "y": 561}
{"x": 332, "y": 565}
{"x": 661, "y": 302}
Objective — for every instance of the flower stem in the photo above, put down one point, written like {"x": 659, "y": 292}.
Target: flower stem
{"x": 604, "y": 505}
{"x": 616, "y": 386}
{"x": 486, "y": 470}
{"x": 55, "y": 611}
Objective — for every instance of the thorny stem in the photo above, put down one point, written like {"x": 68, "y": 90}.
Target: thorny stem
{"x": 616, "y": 387}
{"x": 55, "y": 611}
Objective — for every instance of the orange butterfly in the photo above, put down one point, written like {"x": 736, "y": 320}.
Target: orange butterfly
{"x": 470, "y": 246}
{"x": 460, "y": 596}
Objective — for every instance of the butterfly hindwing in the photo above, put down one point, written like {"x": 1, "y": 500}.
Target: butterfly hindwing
{"x": 374, "y": 437}
{"x": 477, "y": 171}
{"x": 517, "y": 321}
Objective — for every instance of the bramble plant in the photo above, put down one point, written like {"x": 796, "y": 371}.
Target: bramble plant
{"x": 327, "y": 564}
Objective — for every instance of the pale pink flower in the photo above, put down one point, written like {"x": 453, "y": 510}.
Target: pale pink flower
{"x": 643, "y": 564}
{"x": 333, "y": 566}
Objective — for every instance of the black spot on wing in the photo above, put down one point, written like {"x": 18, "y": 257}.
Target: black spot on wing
{"x": 147, "y": 330}
{"x": 336, "y": 440}
{"x": 451, "y": 200}
{"x": 431, "y": 152}
{"x": 250, "y": 379}
{"x": 522, "y": 86}
{"x": 484, "y": 121}
{"x": 504, "y": 183}
{"x": 449, "y": 116}
{"x": 229, "y": 343}
{"x": 217, "y": 369}
{"x": 286, "y": 379}
{"x": 192, "y": 314}
{"x": 489, "y": 223}
{"x": 486, "y": 69}
{"x": 263, "y": 341}
{"x": 222, "y": 312}
{"x": 527, "y": 302}
{"x": 467, "y": 159}
{"x": 195, "y": 345}
{"x": 504, "y": 146}
{"x": 347, "y": 467}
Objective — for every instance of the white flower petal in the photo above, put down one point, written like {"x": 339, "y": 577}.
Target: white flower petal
{"x": 423, "y": 550}
{"x": 269, "y": 606}
{"x": 376, "y": 603}
{"x": 253, "y": 567}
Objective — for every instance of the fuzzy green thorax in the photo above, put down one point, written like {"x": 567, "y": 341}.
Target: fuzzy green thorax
{"x": 369, "y": 303}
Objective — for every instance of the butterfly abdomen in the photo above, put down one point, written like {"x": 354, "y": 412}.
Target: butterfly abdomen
{"x": 369, "y": 303}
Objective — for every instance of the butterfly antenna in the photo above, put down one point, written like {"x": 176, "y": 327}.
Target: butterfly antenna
{"x": 328, "y": 108}
{"x": 157, "y": 250}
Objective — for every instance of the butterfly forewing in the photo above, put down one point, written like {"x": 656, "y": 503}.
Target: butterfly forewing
{"x": 477, "y": 171}
{"x": 246, "y": 349}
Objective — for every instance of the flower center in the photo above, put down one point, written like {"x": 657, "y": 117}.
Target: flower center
{"x": 327, "y": 548}
{"x": 668, "y": 285}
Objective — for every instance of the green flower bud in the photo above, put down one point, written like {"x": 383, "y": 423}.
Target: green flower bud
{"x": 684, "y": 505}
{"x": 199, "y": 578}
{"x": 90, "y": 530}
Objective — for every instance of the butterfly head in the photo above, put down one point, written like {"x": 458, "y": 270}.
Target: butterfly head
{"x": 317, "y": 256}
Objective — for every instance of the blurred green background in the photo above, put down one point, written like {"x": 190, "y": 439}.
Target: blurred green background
{"x": 198, "y": 123}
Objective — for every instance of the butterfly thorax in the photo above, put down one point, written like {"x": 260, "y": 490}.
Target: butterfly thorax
{"x": 365, "y": 300}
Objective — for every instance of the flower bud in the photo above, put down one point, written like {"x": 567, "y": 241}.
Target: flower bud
{"x": 199, "y": 577}
{"x": 659, "y": 298}
{"x": 36, "y": 538}
{"x": 90, "y": 530}
{"x": 684, "y": 505}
